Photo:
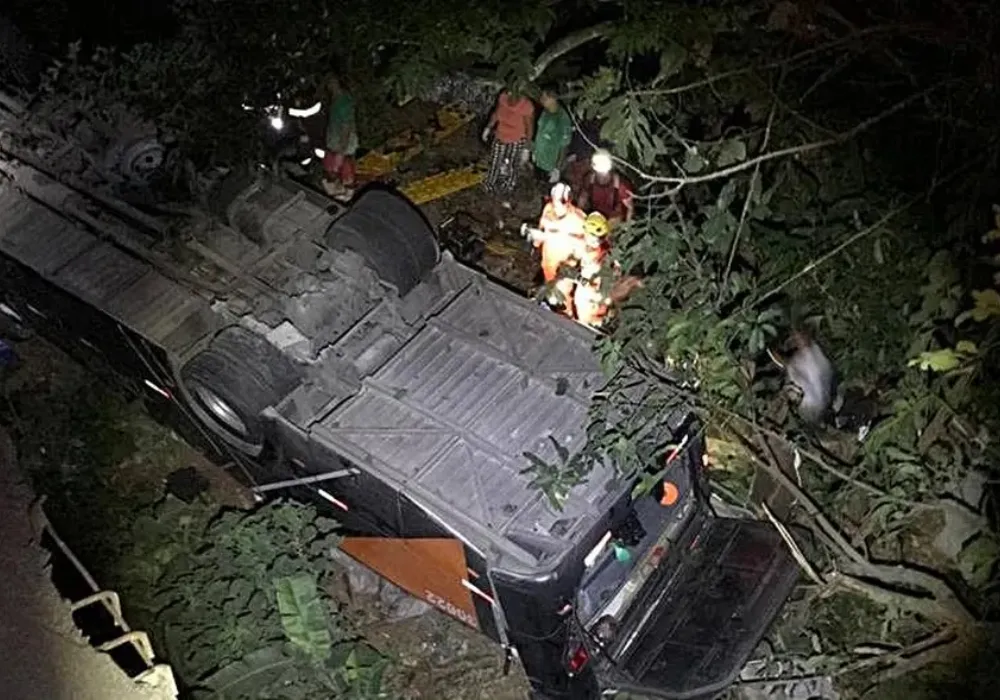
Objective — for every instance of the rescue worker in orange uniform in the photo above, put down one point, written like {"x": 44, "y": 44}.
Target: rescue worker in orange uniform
{"x": 560, "y": 236}
{"x": 601, "y": 283}
{"x": 590, "y": 300}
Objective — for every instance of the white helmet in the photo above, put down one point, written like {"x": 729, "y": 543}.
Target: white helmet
{"x": 560, "y": 192}
{"x": 601, "y": 162}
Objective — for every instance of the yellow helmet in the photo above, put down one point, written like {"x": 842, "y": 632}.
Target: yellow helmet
{"x": 596, "y": 225}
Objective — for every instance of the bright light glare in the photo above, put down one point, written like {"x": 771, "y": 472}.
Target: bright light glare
{"x": 335, "y": 501}
{"x": 7, "y": 311}
{"x": 307, "y": 161}
{"x": 601, "y": 162}
{"x": 319, "y": 152}
{"x": 158, "y": 389}
{"x": 307, "y": 112}
{"x": 277, "y": 123}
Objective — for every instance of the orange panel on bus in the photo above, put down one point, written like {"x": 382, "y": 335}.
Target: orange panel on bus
{"x": 431, "y": 569}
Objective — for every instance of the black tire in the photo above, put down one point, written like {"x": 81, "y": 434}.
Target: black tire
{"x": 391, "y": 234}
{"x": 249, "y": 214}
{"x": 233, "y": 380}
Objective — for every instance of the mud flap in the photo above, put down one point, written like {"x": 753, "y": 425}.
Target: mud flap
{"x": 697, "y": 629}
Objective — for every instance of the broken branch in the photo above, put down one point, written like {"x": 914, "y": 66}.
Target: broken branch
{"x": 934, "y": 642}
{"x": 894, "y": 584}
{"x": 905, "y": 586}
{"x": 793, "y": 546}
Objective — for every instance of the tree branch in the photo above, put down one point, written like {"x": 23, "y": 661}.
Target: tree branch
{"x": 894, "y": 584}
{"x": 746, "y": 204}
{"x": 892, "y": 213}
{"x": 897, "y": 584}
{"x": 935, "y": 643}
{"x": 565, "y": 45}
{"x": 790, "y": 151}
{"x": 793, "y": 546}
{"x": 791, "y": 60}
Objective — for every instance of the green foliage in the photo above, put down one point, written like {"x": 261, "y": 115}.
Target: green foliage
{"x": 737, "y": 247}
{"x": 244, "y": 678}
{"x": 303, "y": 617}
{"x": 233, "y": 600}
{"x": 735, "y": 254}
{"x": 218, "y": 603}
{"x": 234, "y": 52}
{"x": 76, "y": 441}
{"x": 557, "y": 479}
{"x": 978, "y": 560}
{"x": 241, "y": 610}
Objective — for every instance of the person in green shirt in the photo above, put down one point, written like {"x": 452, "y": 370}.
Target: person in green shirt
{"x": 341, "y": 140}
{"x": 552, "y": 136}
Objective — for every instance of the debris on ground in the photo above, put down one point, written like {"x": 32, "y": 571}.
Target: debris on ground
{"x": 361, "y": 580}
{"x": 407, "y": 145}
{"x": 785, "y": 679}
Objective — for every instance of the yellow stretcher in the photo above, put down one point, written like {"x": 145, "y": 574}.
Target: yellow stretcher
{"x": 442, "y": 184}
{"x": 406, "y": 146}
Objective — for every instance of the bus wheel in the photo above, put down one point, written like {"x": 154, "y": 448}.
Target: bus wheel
{"x": 391, "y": 234}
{"x": 233, "y": 380}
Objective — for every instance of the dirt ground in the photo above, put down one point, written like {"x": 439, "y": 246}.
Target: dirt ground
{"x": 434, "y": 655}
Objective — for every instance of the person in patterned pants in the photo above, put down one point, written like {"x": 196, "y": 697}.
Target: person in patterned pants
{"x": 512, "y": 124}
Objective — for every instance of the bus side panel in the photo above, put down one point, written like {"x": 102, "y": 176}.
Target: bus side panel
{"x": 71, "y": 324}
{"x": 389, "y": 533}
{"x": 104, "y": 346}
{"x": 417, "y": 524}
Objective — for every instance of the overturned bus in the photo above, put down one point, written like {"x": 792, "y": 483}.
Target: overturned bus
{"x": 334, "y": 353}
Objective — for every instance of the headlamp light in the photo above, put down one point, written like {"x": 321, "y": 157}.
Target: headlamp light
{"x": 601, "y": 162}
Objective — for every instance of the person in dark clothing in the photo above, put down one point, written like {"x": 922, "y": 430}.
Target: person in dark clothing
{"x": 606, "y": 191}
{"x": 579, "y": 152}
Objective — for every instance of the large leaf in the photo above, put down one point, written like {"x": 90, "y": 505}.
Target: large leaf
{"x": 303, "y": 615}
{"x": 936, "y": 360}
{"x": 363, "y": 671}
{"x": 987, "y": 305}
{"x": 730, "y": 152}
{"x": 246, "y": 677}
{"x": 693, "y": 162}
